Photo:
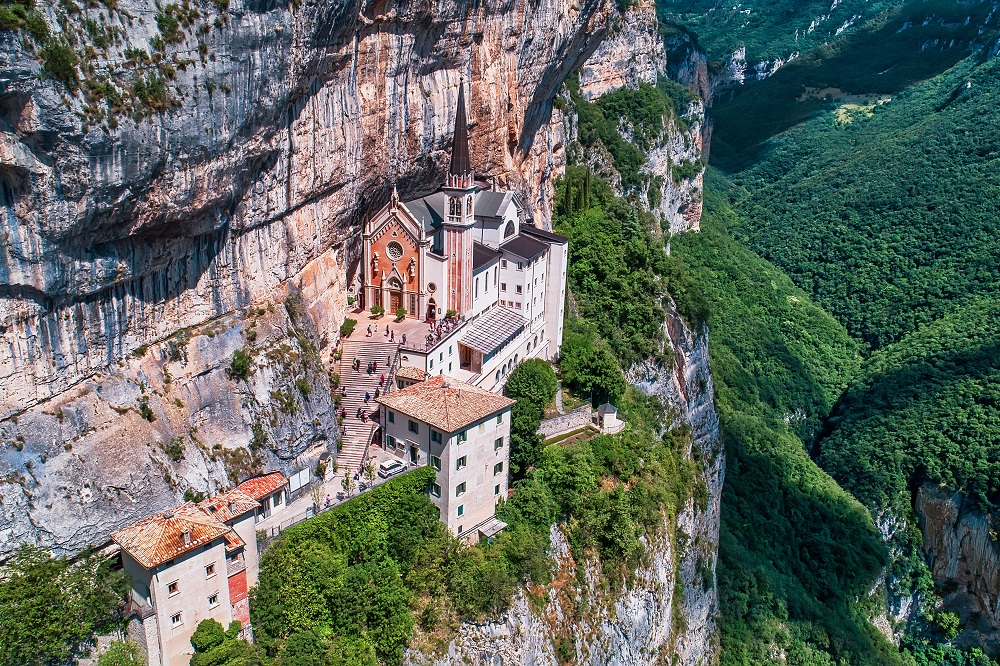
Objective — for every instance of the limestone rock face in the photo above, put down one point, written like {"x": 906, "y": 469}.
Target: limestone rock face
{"x": 964, "y": 557}
{"x": 126, "y": 235}
{"x": 637, "y": 625}
{"x": 299, "y": 122}
{"x": 127, "y": 442}
{"x": 633, "y": 53}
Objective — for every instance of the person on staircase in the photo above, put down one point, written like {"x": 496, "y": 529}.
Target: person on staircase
{"x": 368, "y": 396}
{"x": 381, "y": 380}
{"x": 377, "y": 393}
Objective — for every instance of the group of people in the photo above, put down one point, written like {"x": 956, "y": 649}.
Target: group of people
{"x": 371, "y": 369}
{"x": 439, "y": 331}
{"x": 389, "y": 333}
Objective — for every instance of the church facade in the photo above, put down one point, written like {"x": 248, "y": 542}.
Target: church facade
{"x": 466, "y": 254}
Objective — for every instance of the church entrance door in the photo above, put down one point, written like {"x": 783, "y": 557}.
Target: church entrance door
{"x": 431, "y": 309}
{"x": 395, "y": 301}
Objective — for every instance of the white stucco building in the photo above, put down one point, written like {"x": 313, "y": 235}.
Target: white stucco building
{"x": 469, "y": 249}
{"x": 463, "y": 432}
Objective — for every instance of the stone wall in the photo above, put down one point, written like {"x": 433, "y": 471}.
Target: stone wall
{"x": 578, "y": 418}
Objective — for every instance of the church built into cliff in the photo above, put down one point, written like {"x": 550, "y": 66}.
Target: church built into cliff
{"x": 466, "y": 254}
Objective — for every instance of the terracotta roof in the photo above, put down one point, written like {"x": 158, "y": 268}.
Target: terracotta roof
{"x": 445, "y": 403}
{"x": 229, "y": 506}
{"x": 154, "y": 540}
{"x": 260, "y": 487}
{"x": 411, "y": 373}
{"x": 233, "y": 541}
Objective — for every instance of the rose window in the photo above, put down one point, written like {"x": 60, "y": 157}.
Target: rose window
{"x": 394, "y": 251}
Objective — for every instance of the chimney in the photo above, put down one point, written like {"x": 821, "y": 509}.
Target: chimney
{"x": 186, "y": 535}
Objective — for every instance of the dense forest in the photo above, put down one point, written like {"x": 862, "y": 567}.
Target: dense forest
{"x": 861, "y": 177}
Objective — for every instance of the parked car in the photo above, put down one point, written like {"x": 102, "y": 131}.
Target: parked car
{"x": 390, "y": 468}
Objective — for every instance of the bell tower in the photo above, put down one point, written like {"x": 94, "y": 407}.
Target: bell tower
{"x": 459, "y": 189}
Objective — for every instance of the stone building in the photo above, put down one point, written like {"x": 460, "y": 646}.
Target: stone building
{"x": 467, "y": 249}
{"x": 461, "y": 431}
{"x": 195, "y": 562}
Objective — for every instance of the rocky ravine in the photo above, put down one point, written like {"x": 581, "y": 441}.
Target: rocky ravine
{"x": 653, "y": 621}
{"x": 961, "y": 549}
{"x": 634, "y": 53}
{"x": 238, "y": 193}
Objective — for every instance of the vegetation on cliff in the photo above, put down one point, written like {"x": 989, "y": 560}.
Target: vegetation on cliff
{"x": 51, "y": 608}
{"x": 796, "y": 551}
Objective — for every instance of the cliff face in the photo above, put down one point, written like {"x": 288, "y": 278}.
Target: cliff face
{"x": 961, "y": 549}
{"x": 634, "y": 52}
{"x": 294, "y": 120}
{"x": 668, "y": 615}
{"x": 143, "y": 247}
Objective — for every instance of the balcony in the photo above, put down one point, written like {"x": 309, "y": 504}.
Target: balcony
{"x": 140, "y": 609}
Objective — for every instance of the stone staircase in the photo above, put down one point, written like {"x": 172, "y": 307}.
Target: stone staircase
{"x": 357, "y": 383}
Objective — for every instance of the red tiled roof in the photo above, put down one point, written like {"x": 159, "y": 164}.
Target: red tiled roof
{"x": 411, "y": 373}
{"x": 260, "y": 487}
{"x": 445, "y": 403}
{"x": 230, "y": 505}
{"x": 154, "y": 540}
{"x": 233, "y": 541}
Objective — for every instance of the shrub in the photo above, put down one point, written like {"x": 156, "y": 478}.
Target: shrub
{"x": 60, "y": 62}
{"x": 400, "y": 314}
{"x": 348, "y": 327}
{"x": 145, "y": 411}
{"x": 169, "y": 24}
{"x": 451, "y": 313}
{"x": 302, "y": 384}
{"x": 378, "y": 310}
{"x": 121, "y": 653}
{"x": 174, "y": 449}
{"x": 241, "y": 366}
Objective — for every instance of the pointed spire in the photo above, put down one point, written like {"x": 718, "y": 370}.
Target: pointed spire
{"x": 460, "y": 144}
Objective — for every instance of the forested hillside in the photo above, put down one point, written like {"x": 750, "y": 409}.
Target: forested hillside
{"x": 768, "y": 30}
{"x": 866, "y": 172}
{"x": 796, "y": 552}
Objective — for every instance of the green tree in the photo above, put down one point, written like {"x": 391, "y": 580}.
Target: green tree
{"x": 121, "y": 653}
{"x": 525, "y": 442}
{"x": 303, "y": 648}
{"x": 49, "y": 606}
{"x": 532, "y": 380}
{"x": 349, "y": 651}
{"x": 214, "y": 646}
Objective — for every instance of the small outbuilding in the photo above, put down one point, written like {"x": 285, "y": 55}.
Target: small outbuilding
{"x": 607, "y": 418}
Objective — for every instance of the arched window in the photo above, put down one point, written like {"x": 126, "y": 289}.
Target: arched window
{"x": 508, "y": 230}
{"x": 394, "y": 283}
{"x": 515, "y": 359}
{"x": 498, "y": 376}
